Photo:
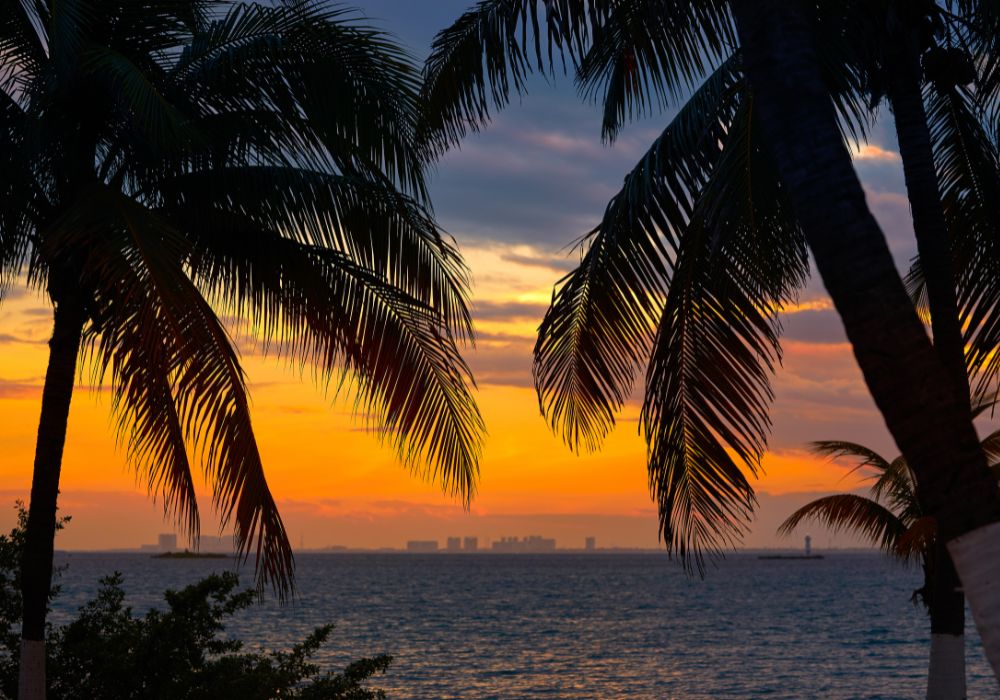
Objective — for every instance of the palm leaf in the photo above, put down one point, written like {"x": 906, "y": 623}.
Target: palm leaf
{"x": 342, "y": 92}
{"x": 969, "y": 172}
{"x": 862, "y": 516}
{"x": 141, "y": 268}
{"x": 918, "y": 540}
{"x": 487, "y": 54}
{"x": 897, "y": 487}
{"x": 647, "y": 53}
{"x": 865, "y": 457}
{"x": 370, "y": 222}
{"x": 708, "y": 383}
{"x": 598, "y": 330}
{"x": 326, "y": 308}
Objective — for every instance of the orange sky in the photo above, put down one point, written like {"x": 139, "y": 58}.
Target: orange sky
{"x": 335, "y": 483}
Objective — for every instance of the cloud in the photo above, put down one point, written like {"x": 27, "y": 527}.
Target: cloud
{"x": 508, "y": 310}
{"x": 8, "y": 338}
{"x": 29, "y": 388}
{"x": 892, "y": 211}
{"x": 563, "y": 264}
{"x": 503, "y": 363}
{"x": 38, "y": 311}
{"x": 813, "y": 326}
{"x": 871, "y": 152}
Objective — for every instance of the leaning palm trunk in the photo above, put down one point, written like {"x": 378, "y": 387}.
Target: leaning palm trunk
{"x": 930, "y": 227}
{"x": 36, "y": 566}
{"x": 912, "y": 389}
{"x": 946, "y": 672}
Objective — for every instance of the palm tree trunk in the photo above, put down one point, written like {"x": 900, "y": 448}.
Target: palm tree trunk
{"x": 36, "y": 564}
{"x": 946, "y": 674}
{"x": 911, "y": 387}
{"x": 929, "y": 225}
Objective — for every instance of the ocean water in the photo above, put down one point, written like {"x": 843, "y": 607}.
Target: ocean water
{"x": 587, "y": 625}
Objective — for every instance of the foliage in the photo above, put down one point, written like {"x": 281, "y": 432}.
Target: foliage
{"x": 697, "y": 254}
{"x": 173, "y": 163}
{"x": 11, "y": 546}
{"x": 891, "y": 517}
{"x": 177, "y": 653}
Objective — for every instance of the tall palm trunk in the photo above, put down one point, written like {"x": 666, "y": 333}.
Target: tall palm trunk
{"x": 946, "y": 672}
{"x": 921, "y": 406}
{"x": 36, "y": 565}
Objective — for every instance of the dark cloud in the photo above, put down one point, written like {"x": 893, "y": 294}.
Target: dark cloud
{"x": 559, "y": 264}
{"x": 821, "y": 326}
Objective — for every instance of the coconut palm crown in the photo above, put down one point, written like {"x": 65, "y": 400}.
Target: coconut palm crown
{"x": 172, "y": 163}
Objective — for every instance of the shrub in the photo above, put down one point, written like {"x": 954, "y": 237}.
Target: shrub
{"x": 178, "y": 653}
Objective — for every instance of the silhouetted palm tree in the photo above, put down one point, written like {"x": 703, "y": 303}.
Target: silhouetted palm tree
{"x": 702, "y": 222}
{"x": 912, "y": 387}
{"x": 893, "y": 520}
{"x": 699, "y": 251}
{"x": 167, "y": 162}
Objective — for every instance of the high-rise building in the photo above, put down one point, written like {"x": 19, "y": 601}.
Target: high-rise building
{"x": 167, "y": 542}
{"x": 470, "y": 544}
{"x": 454, "y": 544}
{"x": 591, "y": 544}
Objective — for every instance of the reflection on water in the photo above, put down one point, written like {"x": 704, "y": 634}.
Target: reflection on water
{"x": 587, "y": 626}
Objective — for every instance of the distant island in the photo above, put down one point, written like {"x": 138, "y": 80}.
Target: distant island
{"x": 190, "y": 555}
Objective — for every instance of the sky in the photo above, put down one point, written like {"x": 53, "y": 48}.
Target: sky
{"x": 514, "y": 197}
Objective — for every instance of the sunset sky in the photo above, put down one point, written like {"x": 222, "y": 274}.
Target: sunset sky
{"x": 514, "y": 197}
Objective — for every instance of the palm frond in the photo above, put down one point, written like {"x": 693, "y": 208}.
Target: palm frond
{"x": 341, "y": 315}
{"x": 142, "y": 268}
{"x": 897, "y": 487}
{"x": 647, "y": 53}
{"x": 991, "y": 446}
{"x": 487, "y": 54}
{"x": 918, "y": 540}
{"x": 340, "y": 91}
{"x": 22, "y": 44}
{"x": 370, "y": 222}
{"x": 598, "y": 330}
{"x": 969, "y": 172}
{"x": 705, "y": 414}
{"x": 865, "y": 457}
{"x": 857, "y": 514}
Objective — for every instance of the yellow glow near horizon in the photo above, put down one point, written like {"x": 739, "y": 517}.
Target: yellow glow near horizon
{"x": 320, "y": 462}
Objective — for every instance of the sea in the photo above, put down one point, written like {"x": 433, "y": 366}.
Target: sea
{"x": 594, "y": 625}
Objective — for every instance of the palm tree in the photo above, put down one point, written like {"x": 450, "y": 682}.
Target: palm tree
{"x": 909, "y": 383}
{"x": 893, "y": 520}
{"x": 171, "y": 161}
{"x": 703, "y": 198}
{"x": 700, "y": 249}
